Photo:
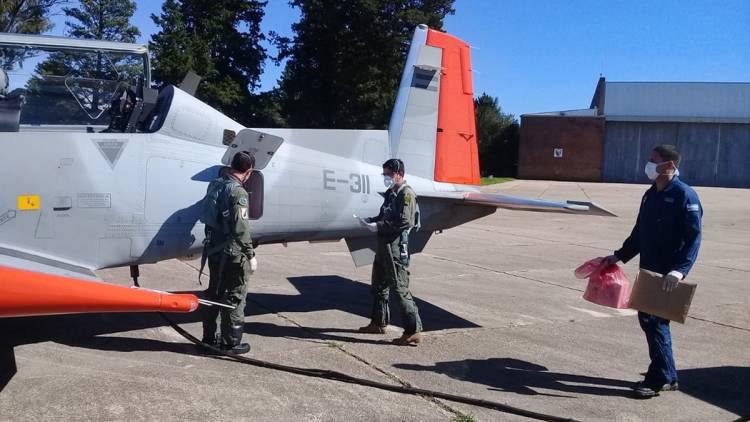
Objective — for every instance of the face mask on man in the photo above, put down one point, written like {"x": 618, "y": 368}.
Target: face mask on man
{"x": 388, "y": 181}
{"x": 652, "y": 173}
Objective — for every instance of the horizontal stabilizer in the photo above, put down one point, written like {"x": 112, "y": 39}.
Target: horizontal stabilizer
{"x": 514, "y": 202}
{"x": 362, "y": 249}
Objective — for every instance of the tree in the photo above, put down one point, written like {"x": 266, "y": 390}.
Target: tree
{"x": 346, "y": 59}
{"x": 92, "y": 77}
{"x": 26, "y": 16}
{"x": 498, "y": 136}
{"x": 102, "y": 20}
{"x": 219, "y": 40}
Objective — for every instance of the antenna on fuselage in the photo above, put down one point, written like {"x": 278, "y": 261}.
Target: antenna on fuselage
{"x": 190, "y": 83}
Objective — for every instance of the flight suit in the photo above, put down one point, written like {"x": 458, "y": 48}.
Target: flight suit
{"x": 397, "y": 215}
{"x": 667, "y": 234}
{"x": 228, "y": 270}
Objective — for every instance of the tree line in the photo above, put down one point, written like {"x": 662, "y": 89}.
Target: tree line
{"x": 343, "y": 61}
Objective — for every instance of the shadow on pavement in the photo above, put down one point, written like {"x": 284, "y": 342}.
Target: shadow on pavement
{"x": 727, "y": 387}
{"x": 322, "y": 334}
{"x": 521, "y": 377}
{"x": 316, "y": 293}
{"x": 334, "y": 292}
{"x": 7, "y": 365}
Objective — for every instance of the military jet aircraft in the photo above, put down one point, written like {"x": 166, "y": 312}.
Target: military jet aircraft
{"x": 99, "y": 170}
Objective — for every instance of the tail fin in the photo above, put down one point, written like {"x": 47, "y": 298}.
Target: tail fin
{"x": 433, "y": 127}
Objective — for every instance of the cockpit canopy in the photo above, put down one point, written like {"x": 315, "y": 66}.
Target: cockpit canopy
{"x": 58, "y": 81}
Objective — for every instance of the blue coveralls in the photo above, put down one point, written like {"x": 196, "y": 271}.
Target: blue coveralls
{"x": 667, "y": 234}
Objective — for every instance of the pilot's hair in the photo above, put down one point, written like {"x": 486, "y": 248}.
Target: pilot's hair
{"x": 243, "y": 162}
{"x": 395, "y": 165}
{"x": 668, "y": 153}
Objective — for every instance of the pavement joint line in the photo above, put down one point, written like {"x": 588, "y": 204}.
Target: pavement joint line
{"x": 437, "y": 402}
{"x": 388, "y": 375}
{"x": 534, "y": 238}
{"x": 566, "y": 287}
{"x": 441, "y": 258}
{"x": 393, "y": 377}
{"x": 584, "y": 191}
{"x": 719, "y": 323}
{"x": 544, "y": 191}
{"x": 727, "y": 268}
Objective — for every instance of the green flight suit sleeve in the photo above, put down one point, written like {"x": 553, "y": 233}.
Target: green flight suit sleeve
{"x": 239, "y": 219}
{"x": 404, "y": 214}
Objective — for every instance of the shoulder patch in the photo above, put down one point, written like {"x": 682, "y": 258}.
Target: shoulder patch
{"x": 693, "y": 207}
{"x": 243, "y": 201}
{"x": 407, "y": 198}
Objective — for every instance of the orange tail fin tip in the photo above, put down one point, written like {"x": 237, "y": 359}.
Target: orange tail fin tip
{"x": 456, "y": 150}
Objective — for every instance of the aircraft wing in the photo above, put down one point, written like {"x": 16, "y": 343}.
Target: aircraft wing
{"x": 12, "y": 258}
{"x": 518, "y": 203}
{"x": 32, "y": 285}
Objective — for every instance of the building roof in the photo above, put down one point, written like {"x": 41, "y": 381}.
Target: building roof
{"x": 676, "y": 101}
{"x": 581, "y": 112}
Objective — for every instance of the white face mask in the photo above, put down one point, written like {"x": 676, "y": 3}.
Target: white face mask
{"x": 388, "y": 181}
{"x": 652, "y": 173}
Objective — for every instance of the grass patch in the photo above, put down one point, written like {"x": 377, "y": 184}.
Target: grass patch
{"x": 463, "y": 418}
{"x": 493, "y": 180}
{"x": 333, "y": 344}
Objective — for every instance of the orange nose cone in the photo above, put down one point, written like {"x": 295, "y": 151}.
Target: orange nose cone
{"x": 178, "y": 303}
{"x": 27, "y": 293}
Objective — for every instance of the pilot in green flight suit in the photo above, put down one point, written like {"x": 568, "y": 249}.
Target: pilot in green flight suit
{"x": 230, "y": 257}
{"x": 397, "y": 217}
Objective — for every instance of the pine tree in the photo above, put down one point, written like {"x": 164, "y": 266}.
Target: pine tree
{"x": 93, "y": 78}
{"x": 26, "y": 16}
{"x": 23, "y": 17}
{"x": 219, "y": 40}
{"x": 102, "y": 20}
{"x": 346, "y": 59}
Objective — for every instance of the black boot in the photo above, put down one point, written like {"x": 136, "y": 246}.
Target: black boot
{"x": 212, "y": 341}
{"x": 235, "y": 346}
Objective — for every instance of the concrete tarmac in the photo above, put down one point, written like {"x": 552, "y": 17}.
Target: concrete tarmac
{"x": 504, "y": 317}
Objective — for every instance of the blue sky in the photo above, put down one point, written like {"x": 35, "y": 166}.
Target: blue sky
{"x": 544, "y": 55}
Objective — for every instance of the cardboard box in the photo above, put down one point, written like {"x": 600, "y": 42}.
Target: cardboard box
{"x": 648, "y": 296}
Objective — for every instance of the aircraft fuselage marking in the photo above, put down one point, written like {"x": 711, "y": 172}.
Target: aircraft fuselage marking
{"x": 357, "y": 183}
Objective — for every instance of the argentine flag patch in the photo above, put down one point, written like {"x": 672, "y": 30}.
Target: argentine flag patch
{"x": 693, "y": 207}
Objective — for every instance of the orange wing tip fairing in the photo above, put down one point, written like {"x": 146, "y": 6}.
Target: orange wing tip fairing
{"x": 27, "y": 293}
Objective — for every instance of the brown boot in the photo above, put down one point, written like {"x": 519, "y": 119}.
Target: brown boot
{"x": 372, "y": 329}
{"x": 408, "y": 339}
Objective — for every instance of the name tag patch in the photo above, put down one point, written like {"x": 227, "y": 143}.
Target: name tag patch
{"x": 669, "y": 199}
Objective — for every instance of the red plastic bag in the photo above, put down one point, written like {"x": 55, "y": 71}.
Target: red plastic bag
{"x": 608, "y": 284}
{"x": 588, "y": 268}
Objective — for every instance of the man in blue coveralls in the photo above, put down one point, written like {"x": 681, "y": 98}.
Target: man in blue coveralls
{"x": 667, "y": 234}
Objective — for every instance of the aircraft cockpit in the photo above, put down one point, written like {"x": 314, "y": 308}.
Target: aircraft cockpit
{"x": 53, "y": 83}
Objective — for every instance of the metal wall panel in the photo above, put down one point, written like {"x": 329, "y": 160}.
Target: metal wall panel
{"x": 698, "y": 144}
{"x": 733, "y": 165}
{"x": 713, "y": 154}
{"x": 621, "y": 152}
